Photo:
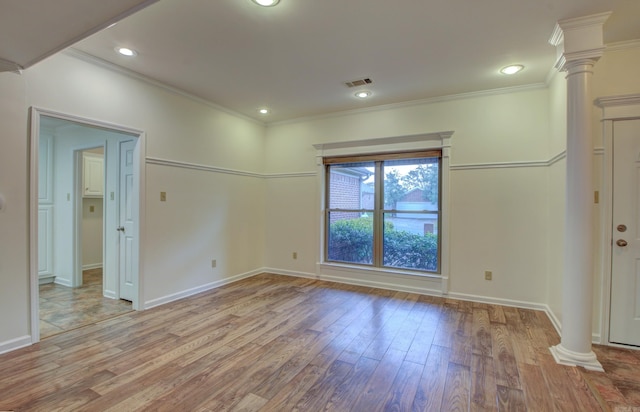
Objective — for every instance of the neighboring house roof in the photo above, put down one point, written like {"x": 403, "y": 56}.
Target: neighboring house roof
{"x": 415, "y": 195}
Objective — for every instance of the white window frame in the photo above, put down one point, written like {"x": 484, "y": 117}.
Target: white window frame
{"x": 421, "y": 282}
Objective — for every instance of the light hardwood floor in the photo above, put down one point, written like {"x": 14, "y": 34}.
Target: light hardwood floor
{"x": 275, "y": 343}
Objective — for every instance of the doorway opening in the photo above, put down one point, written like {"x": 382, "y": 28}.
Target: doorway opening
{"x": 86, "y": 185}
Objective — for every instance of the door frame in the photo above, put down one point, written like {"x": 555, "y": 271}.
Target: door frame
{"x": 139, "y": 171}
{"x": 78, "y": 210}
{"x": 614, "y": 108}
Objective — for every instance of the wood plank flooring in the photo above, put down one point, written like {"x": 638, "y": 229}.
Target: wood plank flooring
{"x": 275, "y": 343}
{"x": 63, "y": 308}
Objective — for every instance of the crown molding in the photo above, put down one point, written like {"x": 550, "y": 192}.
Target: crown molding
{"x": 620, "y": 100}
{"x": 9, "y": 66}
{"x": 623, "y": 45}
{"x": 413, "y": 103}
{"x": 88, "y": 58}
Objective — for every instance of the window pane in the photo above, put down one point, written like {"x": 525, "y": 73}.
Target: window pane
{"x": 351, "y": 186}
{"x": 411, "y": 184}
{"x": 350, "y": 238}
{"x": 410, "y": 241}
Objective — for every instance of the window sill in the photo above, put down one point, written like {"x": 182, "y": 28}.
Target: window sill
{"x": 381, "y": 271}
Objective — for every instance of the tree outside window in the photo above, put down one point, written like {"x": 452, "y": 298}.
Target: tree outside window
{"x": 384, "y": 211}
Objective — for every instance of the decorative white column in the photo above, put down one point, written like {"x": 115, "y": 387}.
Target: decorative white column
{"x": 579, "y": 44}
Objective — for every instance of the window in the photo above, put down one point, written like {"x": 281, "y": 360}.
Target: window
{"x": 384, "y": 210}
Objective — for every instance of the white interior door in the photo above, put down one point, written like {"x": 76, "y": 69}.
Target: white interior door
{"x": 127, "y": 258}
{"x": 625, "y": 253}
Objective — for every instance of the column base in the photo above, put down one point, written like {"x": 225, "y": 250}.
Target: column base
{"x": 567, "y": 357}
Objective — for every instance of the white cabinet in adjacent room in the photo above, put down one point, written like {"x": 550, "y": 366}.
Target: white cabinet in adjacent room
{"x": 92, "y": 174}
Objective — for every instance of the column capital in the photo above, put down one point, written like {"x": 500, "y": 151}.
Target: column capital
{"x": 567, "y": 61}
{"x": 579, "y": 40}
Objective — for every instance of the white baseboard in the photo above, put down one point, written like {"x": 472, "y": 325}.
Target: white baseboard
{"x": 523, "y": 304}
{"x": 44, "y": 279}
{"x": 109, "y": 294}
{"x": 14, "y": 344}
{"x": 356, "y": 282}
{"x": 194, "y": 291}
{"x": 433, "y": 292}
{"x": 92, "y": 266}
{"x": 291, "y": 273}
{"x": 63, "y": 282}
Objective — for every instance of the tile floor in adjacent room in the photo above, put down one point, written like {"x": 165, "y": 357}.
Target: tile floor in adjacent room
{"x": 63, "y": 308}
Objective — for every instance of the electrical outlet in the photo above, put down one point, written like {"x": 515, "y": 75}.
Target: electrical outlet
{"x": 488, "y": 275}
{"x": 163, "y": 196}
{"x": 213, "y": 263}
{"x": 92, "y": 208}
{"x": 295, "y": 255}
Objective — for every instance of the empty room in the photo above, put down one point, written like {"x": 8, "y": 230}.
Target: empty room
{"x": 320, "y": 205}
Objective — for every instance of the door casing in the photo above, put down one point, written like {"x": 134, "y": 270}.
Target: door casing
{"x": 139, "y": 172}
{"x": 614, "y": 108}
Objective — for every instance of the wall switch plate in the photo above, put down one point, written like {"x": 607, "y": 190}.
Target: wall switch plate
{"x": 163, "y": 196}
{"x": 295, "y": 255}
{"x": 92, "y": 208}
{"x": 213, "y": 263}
{"x": 488, "y": 275}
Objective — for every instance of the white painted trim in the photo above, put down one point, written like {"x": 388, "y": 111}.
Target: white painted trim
{"x": 381, "y": 285}
{"x": 554, "y": 320}
{"x": 63, "y": 282}
{"x": 423, "y": 141}
{"x": 92, "y": 266}
{"x": 499, "y": 301}
{"x": 424, "y": 291}
{"x": 413, "y": 103}
{"x": 35, "y": 114}
{"x": 623, "y": 45}
{"x": 567, "y": 357}
{"x": 14, "y": 344}
{"x": 292, "y": 273}
{"x": 87, "y": 58}
{"x": 468, "y": 166}
{"x": 288, "y": 175}
{"x": 90, "y": 31}
{"x": 196, "y": 166}
{"x": 110, "y": 294}
{"x": 614, "y": 108}
{"x": 501, "y": 165}
{"x": 34, "y": 282}
{"x": 199, "y": 289}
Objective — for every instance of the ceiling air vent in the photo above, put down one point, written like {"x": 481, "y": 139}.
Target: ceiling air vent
{"x": 359, "y": 82}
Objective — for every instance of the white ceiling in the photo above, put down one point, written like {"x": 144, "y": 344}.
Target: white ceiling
{"x": 295, "y": 57}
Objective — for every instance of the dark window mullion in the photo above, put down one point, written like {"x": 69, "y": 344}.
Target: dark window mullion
{"x": 378, "y": 216}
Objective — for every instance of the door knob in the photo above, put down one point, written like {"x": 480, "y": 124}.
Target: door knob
{"x": 621, "y": 242}
{"x": 622, "y": 228}
{"x": 121, "y": 229}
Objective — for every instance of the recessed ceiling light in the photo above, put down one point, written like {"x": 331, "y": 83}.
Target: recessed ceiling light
{"x": 513, "y": 69}
{"x": 363, "y": 94}
{"x": 126, "y": 51}
{"x": 263, "y": 111}
{"x": 266, "y": 3}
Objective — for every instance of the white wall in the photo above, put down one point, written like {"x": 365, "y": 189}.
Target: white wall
{"x": 92, "y": 232}
{"x": 208, "y": 214}
{"x": 214, "y": 213}
{"x": 510, "y": 238}
{"x": 556, "y": 193}
{"x": 14, "y": 186}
